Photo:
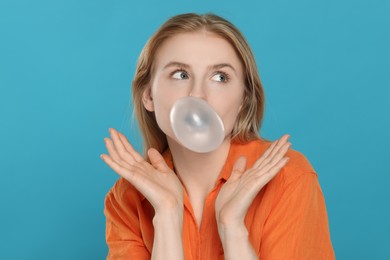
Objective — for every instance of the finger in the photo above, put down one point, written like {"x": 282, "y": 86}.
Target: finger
{"x": 114, "y": 153}
{"x": 238, "y": 169}
{"x": 120, "y": 148}
{"x": 273, "y": 151}
{"x": 253, "y": 186}
{"x": 259, "y": 182}
{"x": 130, "y": 148}
{"x": 270, "y": 174}
{"x": 135, "y": 175}
{"x": 283, "y": 140}
{"x": 265, "y": 154}
{"x": 276, "y": 158}
{"x": 158, "y": 161}
{"x": 122, "y": 171}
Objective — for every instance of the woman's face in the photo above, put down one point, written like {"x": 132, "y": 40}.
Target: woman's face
{"x": 199, "y": 64}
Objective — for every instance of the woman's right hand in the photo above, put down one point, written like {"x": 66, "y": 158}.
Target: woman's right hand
{"x": 155, "y": 180}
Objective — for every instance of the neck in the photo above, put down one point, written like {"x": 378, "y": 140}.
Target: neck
{"x": 198, "y": 171}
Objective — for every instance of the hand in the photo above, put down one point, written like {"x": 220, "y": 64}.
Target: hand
{"x": 237, "y": 194}
{"x": 156, "y": 181}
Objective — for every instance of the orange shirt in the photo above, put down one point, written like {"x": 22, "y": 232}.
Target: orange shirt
{"x": 287, "y": 219}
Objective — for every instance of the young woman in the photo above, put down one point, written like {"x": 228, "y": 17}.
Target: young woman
{"x": 247, "y": 199}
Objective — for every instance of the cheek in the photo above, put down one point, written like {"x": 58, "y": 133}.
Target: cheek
{"x": 228, "y": 111}
{"x": 162, "y": 107}
{"x": 231, "y": 117}
{"x": 163, "y": 100}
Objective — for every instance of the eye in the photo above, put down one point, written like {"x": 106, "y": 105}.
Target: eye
{"x": 179, "y": 74}
{"x": 221, "y": 77}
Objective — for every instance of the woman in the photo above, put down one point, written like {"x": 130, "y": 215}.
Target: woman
{"x": 239, "y": 201}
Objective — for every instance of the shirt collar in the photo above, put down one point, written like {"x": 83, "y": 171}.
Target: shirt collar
{"x": 235, "y": 151}
{"x": 226, "y": 169}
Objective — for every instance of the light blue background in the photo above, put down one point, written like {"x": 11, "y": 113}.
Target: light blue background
{"x": 65, "y": 74}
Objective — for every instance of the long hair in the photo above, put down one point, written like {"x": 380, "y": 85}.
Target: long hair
{"x": 250, "y": 117}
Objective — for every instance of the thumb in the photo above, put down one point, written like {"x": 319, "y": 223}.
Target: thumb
{"x": 238, "y": 168}
{"x": 157, "y": 160}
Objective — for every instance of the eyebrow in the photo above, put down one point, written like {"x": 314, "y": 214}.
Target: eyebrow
{"x": 186, "y": 66}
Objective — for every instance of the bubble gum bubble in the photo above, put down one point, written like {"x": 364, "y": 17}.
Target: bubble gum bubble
{"x": 196, "y": 125}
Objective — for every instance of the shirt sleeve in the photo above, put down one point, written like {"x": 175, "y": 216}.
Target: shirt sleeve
{"x": 297, "y": 226}
{"x": 123, "y": 234}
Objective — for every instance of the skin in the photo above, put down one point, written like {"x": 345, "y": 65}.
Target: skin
{"x": 197, "y": 75}
{"x": 194, "y": 76}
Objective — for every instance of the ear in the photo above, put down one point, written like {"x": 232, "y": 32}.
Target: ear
{"x": 147, "y": 99}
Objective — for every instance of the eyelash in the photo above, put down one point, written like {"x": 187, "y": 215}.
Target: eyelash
{"x": 227, "y": 77}
{"x": 178, "y": 70}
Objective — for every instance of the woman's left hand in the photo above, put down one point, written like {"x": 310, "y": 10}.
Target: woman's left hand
{"x": 239, "y": 191}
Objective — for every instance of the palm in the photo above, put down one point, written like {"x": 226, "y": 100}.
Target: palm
{"x": 155, "y": 180}
{"x": 230, "y": 198}
{"x": 238, "y": 192}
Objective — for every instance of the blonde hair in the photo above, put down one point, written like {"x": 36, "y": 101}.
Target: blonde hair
{"x": 250, "y": 117}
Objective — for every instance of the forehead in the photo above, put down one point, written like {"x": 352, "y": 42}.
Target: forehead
{"x": 197, "y": 49}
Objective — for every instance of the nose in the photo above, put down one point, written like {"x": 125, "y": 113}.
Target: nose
{"x": 198, "y": 90}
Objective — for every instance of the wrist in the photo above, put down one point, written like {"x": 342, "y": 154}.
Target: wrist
{"x": 236, "y": 243}
{"x": 168, "y": 234}
{"x": 233, "y": 231}
{"x": 168, "y": 217}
